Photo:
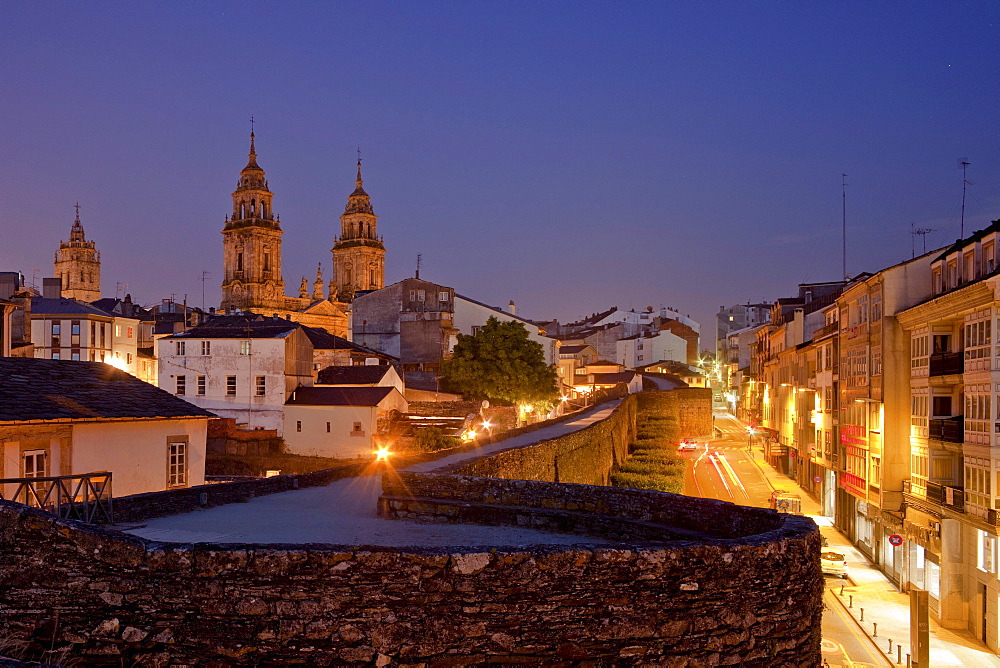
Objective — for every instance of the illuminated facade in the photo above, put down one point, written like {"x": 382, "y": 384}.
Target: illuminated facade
{"x": 252, "y": 278}
{"x": 358, "y": 253}
{"x": 78, "y": 265}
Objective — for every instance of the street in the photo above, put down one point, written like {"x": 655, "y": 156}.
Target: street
{"x": 722, "y": 468}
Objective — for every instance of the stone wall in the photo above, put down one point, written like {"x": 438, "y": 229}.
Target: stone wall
{"x": 691, "y": 406}
{"x": 106, "y": 598}
{"x": 586, "y": 456}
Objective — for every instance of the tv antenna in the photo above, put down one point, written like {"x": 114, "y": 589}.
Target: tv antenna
{"x": 204, "y": 276}
{"x": 964, "y": 164}
{"x": 922, "y": 232}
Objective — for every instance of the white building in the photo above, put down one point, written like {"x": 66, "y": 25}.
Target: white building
{"x": 340, "y": 422}
{"x": 72, "y": 330}
{"x": 243, "y": 367}
{"x": 470, "y": 315}
{"x": 60, "y": 418}
{"x": 641, "y": 350}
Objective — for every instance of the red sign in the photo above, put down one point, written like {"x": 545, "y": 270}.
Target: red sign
{"x": 895, "y": 540}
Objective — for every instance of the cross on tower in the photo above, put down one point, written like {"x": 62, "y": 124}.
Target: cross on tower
{"x": 77, "y": 207}
{"x": 251, "y": 125}
{"x": 359, "y": 155}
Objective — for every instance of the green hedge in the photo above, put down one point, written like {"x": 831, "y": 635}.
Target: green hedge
{"x": 653, "y": 462}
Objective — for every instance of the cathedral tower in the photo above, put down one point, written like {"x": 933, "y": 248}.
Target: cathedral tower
{"x": 251, "y": 244}
{"x": 78, "y": 264}
{"x": 358, "y": 253}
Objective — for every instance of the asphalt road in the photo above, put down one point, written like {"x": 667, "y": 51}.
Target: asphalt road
{"x": 721, "y": 468}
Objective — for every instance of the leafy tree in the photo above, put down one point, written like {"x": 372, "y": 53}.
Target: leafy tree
{"x": 500, "y": 363}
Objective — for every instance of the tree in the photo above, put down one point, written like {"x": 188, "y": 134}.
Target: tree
{"x": 500, "y": 363}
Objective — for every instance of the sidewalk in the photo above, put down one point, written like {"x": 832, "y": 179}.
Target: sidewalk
{"x": 882, "y": 602}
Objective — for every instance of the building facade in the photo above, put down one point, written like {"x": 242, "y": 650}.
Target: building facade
{"x": 358, "y": 253}
{"x": 252, "y": 272}
{"x": 78, "y": 265}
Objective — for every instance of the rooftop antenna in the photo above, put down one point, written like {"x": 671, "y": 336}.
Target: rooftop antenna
{"x": 420, "y": 261}
{"x": 922, "y": 232}
{"x": 204, "y": 275}
{"x": 964, "y": 163}
{"x": 843, "y": 220}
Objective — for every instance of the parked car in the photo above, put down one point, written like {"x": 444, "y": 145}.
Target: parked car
{"x": 687, "y": 445}
{"x": 833, "y": 563}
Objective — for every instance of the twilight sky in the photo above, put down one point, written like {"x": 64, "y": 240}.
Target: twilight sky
{"x": 568, "y": 155}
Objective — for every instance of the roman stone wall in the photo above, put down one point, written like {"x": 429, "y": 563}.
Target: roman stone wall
{"x": 585, "y": 456}
{"x": 690, "y": 406}
{"x": 107, "y": 598}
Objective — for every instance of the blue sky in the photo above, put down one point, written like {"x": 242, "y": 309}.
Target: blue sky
{"x": 567, "y": 155}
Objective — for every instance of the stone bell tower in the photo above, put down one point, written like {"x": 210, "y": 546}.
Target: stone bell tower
{"x": 251, "y": 244}
{"x": 358, "y": 253}
{"x": 78, "y": 265}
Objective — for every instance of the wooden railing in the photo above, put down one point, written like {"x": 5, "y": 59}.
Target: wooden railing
{"x": 85, "y": 497}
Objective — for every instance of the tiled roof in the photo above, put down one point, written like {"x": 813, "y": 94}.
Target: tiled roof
{"x": 613, "y": 378}
{"x": 249, "y": 326}
{"x": 572, "y": 350}
{"x": 39, "y": 389}
{"x": 47, "y": 306}
{"x": 352, "y": 375}
{"x": 323, "y": 340}
{"x": 338, "y": 396}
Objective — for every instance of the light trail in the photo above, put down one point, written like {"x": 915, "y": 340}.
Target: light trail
{"x": 713, "y": 458}
{"x": 732, "y": 473}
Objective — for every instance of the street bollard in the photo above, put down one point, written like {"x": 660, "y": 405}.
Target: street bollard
{"x": 907, "y": 660}
{"x": 841, "y": 591}
{"x": 899, "y": 654}
{"x": 862, "y": 614}
{"x": 890, "y": 645}
{"x": 875, "y": 632}
{"x": 851, "y": 601}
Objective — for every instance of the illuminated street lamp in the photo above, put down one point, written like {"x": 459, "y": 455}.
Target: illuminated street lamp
{"x": 750, "y": 433}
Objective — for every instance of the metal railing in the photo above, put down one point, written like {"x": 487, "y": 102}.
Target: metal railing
{"x": 85, "y": 497}
{"x": 949, "y": 430}
{"x": 953, "y": 497}
{"x": 942, "y": 364}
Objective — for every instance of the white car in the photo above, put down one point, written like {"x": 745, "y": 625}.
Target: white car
{"x": 687, "y": 445}
{"x": 833, "y": 563}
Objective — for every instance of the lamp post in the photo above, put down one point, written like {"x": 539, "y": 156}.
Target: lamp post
{"x": 750, "y": 433}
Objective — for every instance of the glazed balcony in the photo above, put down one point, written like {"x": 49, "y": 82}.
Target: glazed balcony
{"x": 945, "y": 364}
{"x": 948, "y": 430}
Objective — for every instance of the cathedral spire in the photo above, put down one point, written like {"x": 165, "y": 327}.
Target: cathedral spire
{"x": 76, "y": 232}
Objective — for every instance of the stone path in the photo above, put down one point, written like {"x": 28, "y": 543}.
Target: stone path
{"x": 343, "y": 513}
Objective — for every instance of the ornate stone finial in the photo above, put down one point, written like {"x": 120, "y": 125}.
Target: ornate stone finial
{"x": 304, "y": 289}
{"x": 77, "y": 207}
{"x": 318, "y": 285}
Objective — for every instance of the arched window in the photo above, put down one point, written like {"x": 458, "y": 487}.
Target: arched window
{"x": 253, "y": 207}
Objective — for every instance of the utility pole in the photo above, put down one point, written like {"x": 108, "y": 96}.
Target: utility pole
{"x": 964, "y": 162}
{"x": 843, "y": 220}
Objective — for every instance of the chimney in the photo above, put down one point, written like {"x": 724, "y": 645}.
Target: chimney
{"x": 512, "y": 308}
{"x": 52, "y": 288}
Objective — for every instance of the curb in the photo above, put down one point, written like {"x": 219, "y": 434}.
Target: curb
{"x": 861, "y": 628}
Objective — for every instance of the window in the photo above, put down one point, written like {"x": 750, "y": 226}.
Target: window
{"x": 328, "y": 427}
{"x": 93, "y": 333}
{"x": 176, "y": 464}
{"x": 128, "y": 332}
{"x": 104, "y": 333}
{"x": 244, "y": 347}
{"x": 201, "y": 386}
{"x": 261, "y": 385}
{"x": 267, "y": 262}
{"x": 118, "y": 331}
{"x": 74, "y": 355}
{"x": 443, "y": 297}
{"x": 989, "y": 258}
{"x": 128, "y": 358}
{"x": 56, "y": 328}
{"x": 206, "y": 347}
{"x": 34, "y": 464}
{"x": 413, "y": 295}
{"x": 475, "y": 329}
{"x": 239, "y": 262}
{"x": 987, "y": 551}
{"x": 55, "y": 355}
{"x": 179, "y": 345}
{"x": 356, "y": 430}
{"x": 75, "y": 329}
{"x": 421, "y": 295}
{"x": 298, "y": 425}
{"x": 231, "y": 386}
{"x": 181, "y": 385}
